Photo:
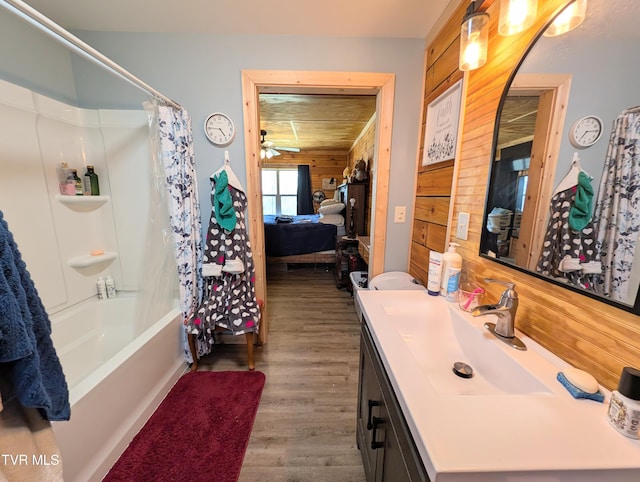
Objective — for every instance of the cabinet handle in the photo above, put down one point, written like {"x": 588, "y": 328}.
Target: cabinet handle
{"x": 376, "y": 445}
{"x": 372, "y": 403}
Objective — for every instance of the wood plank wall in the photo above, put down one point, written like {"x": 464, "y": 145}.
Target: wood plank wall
{"x": 433, "y": 189}
{"x": 322, "y": 165}
{"x": 589, "y": 334}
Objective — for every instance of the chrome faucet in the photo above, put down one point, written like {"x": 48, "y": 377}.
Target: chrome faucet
{"x": 505, "y": 311}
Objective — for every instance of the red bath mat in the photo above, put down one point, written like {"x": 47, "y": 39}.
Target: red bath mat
{"x": 200, "y": 431}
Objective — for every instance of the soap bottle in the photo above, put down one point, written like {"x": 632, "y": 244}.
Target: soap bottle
{"x": 111, "y": 287}
{"x": 451, "y": 267}
{"x": 624, "y": 406}
{"x": 102, "y": 288}
{"x": 91, "y": 185}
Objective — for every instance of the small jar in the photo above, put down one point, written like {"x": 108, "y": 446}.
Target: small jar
{"x": 624, "y": 407}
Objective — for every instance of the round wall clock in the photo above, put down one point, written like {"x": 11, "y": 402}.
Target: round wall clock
{"x": 585, "y": 131}
{"x": 219, "y": 129}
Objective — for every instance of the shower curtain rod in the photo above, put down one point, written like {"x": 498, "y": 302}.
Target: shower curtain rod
{"x": 64, "y": 37}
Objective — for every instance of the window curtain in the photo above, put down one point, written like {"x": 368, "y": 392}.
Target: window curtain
{"x": 617, "y": 212}
{"x": 177, "y": 156}
{"x": 305, "y": 200}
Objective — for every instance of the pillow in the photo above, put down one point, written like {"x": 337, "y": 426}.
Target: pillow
{"x": 334, "y": 208}
{"x": 336, "y": 219}
{"x": 326, "y": 202}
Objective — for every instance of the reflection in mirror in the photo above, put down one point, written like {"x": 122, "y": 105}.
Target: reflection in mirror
{"x": 562, "y": 201}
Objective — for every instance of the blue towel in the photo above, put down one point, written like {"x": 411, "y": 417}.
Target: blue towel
{"x": 28, "y": 361}
{"x": 578, "y": 393}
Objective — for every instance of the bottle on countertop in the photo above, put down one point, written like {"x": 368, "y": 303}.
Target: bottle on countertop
{"x": 111, "y": 287}
{"x": 624, "y": 406}
{"x": 91, "y": 185}
{"x": 102, "y": 288}
{"x": 78, "y": 183}
{"x": 451, "y": 268}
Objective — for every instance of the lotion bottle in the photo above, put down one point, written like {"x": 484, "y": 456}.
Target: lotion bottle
{"x": 451, "y": 267}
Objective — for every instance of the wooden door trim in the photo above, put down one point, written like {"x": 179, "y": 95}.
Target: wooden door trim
{"x": 553, "y": 90}
{"x": 255, "y": 82}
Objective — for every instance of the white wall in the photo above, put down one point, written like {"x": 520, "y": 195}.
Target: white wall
{"x": 203, "y": 73}
{"x": 36, "y": 134}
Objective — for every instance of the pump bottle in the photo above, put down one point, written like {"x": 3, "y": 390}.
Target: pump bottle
{"x": 451, "y": 267}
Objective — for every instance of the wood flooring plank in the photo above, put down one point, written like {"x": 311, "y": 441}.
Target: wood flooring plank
{"x": 306, "y": 422}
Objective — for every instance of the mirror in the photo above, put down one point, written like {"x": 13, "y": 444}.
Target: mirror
{"x": 541, "y": 174}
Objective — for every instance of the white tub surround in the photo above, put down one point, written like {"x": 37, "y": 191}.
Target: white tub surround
{"x": 116, "y": 377}
{"x": 513, "y": 421}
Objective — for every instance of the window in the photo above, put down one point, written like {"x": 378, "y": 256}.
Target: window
{"x": 279, "y": 191}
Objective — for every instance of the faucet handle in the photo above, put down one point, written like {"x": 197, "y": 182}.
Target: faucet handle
{"x": 509, "y": 296}
{"x": 508, "y": 284}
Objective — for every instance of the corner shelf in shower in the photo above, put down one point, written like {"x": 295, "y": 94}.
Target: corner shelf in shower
{"x": 89, "y": 260}
{"x": 94, "y": 201}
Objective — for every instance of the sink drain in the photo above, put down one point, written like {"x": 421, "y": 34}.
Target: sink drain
{"x": 462, "y": 369}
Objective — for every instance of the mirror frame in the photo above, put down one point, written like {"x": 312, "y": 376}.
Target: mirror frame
{"x": 635, "y": 309}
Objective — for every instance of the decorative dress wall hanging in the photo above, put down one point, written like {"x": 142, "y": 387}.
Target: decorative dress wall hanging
{"x": 568, "y": 252}
{"x": 228, "y": 269}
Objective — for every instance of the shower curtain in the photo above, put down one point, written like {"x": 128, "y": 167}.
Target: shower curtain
{"x": 177, "y": 156}
{"x": 617, "y": 213}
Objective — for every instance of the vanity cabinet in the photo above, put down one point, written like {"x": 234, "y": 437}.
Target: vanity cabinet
{"x": 387, "y": 448}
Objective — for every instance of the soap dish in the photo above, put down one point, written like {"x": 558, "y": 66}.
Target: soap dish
{"x": 577, "y": 392}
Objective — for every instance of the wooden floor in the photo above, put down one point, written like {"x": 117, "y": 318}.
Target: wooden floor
{"x": 306, "y": 422}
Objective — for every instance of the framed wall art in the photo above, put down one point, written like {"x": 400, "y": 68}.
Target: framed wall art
{"x": 441, "y": 129}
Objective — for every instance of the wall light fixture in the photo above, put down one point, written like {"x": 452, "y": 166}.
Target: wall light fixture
{"x": 571, "y": 17}
{"x": 516, "y": 16}
{"x": 474, "y": 37}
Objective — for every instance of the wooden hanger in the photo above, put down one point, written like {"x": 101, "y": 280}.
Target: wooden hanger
{"x": 231, "y": 176}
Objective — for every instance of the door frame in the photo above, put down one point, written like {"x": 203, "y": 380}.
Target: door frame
{"x": 255, "y": 82}
{"x": 553, "y": 91}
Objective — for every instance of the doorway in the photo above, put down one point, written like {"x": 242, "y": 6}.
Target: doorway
{"x": 306, "y": 82}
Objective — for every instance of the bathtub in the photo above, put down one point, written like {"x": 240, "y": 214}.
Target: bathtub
{"x": 116, "y": 379}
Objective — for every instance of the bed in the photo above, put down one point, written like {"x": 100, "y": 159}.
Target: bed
{"x": 302, "y": 240}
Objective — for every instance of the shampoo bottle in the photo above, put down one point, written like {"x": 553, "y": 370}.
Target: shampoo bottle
{"x": 111, "y": 287}
{"x": 102, "y": 288}
{"x": 451, "y": 267}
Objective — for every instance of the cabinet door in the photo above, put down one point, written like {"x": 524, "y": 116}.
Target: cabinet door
{"x": 369, "y": 401}
{"x": 388, "y": 451}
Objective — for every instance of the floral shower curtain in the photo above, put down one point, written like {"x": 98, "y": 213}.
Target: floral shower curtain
{"x": 617, "y": 213}
{"x": 177, "y": 155}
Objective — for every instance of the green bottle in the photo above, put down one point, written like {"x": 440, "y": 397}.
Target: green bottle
{"x": 91, "y": 182}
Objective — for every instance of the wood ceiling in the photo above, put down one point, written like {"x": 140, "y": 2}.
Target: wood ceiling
{"x": 517, "y": 120}
{"x": 315, "y": 122}
{"x": 332, "y": 123}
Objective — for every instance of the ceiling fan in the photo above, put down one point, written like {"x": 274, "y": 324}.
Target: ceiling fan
{"x": 268, "y": 150}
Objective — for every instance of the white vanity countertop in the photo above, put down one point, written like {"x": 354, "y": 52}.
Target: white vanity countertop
{"x": 546, "y": 436}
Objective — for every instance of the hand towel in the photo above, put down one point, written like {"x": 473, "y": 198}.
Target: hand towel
{"x": 580, "y": 211}
{"x": 223, "y": 203}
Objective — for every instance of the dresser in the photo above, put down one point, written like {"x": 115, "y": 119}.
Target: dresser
{"x": 359, "y": 210}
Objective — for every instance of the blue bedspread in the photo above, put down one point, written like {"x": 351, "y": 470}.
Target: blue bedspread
{"x": 302, "y": 236}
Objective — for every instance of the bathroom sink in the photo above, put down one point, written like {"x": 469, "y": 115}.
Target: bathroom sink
{"x": 437, "y": 343}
